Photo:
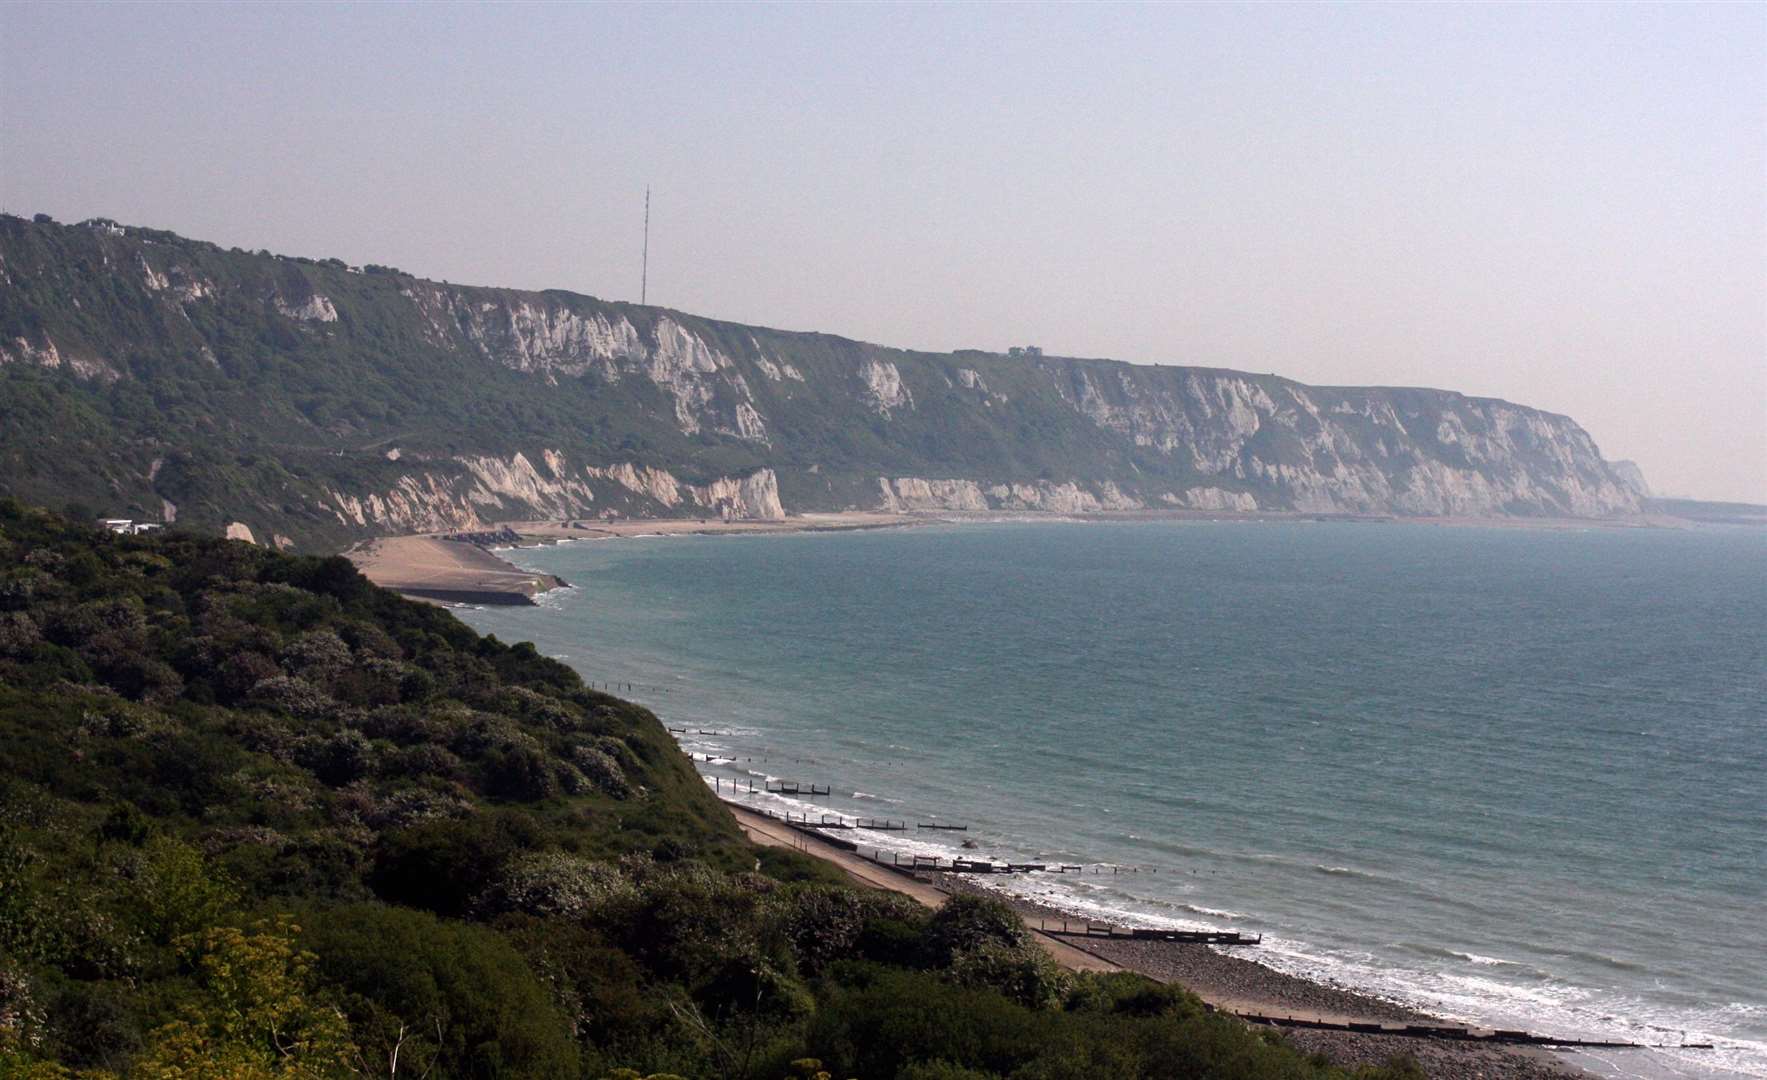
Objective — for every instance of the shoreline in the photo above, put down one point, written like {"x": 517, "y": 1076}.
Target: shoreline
{"x": 434, "y": 568}
{"x": 1227, "y": 982}
{"x": 1235, "y": 983}
{"x": 447, "y": 572}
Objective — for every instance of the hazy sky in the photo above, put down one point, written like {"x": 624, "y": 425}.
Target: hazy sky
{"x": 1565, "y": 206}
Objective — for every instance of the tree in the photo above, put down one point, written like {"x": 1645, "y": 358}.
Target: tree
{"x": 256, "y": 1014}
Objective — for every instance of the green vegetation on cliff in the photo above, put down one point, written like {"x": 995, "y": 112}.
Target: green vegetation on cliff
{"x": 150, "y": 376}
{"x": 259, "y": 818}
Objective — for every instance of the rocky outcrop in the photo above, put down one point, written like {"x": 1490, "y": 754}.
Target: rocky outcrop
{"x": 911, "y": 493}
{"x": 884, "y": 387}
{"x": 752, "y": 497}
{"x": 314, "y": 308}
{"x": 471, "y": 493}
{"x": 1211, "y": 498}
{"x": 654, "y": 484}
{"x": 549, "y": 338}
{"x": 1630, "y": 475}
{"x": 914, "y": 493}
{"x": 22, "y": 351}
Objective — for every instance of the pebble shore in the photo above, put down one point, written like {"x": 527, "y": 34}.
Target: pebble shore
{"x": 1250, "y": 986}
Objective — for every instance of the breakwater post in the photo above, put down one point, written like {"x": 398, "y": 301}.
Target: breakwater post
{"x": 736, "y": 786}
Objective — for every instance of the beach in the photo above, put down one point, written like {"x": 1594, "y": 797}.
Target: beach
{"x": 1301, "y": 772}
{"x": 1229, "y": 983}
{"x": 462, "y": 568}
{"x": 447, "y": 571}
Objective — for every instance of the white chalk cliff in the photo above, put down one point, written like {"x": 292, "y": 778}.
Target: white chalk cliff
{"x": 426, "y": 405}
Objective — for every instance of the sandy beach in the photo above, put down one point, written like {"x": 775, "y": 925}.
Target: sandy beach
{"x": 432, "y": 566}
{"x": 435, "y": 567}
{"x": 447, "y": 571}
{"x": 1230, "y": 983}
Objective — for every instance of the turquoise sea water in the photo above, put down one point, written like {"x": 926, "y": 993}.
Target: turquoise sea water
{"x": 1516, "y": 776}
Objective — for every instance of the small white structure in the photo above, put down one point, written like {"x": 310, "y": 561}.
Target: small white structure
{"x": 128, "y": 526}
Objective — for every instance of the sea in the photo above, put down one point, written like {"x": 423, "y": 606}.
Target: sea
{"x": 1516, "y": 776}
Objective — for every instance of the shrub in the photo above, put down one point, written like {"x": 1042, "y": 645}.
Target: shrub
{"x": 555, "y": 883}
{"x": 442, "y": 866}
{"x": 18, "y": 632}
{"x": 755, "y": 988}
{"x": 826, "y": 922}
{"x": 1024, "y": 973}
{"x": 257, "y": 1013}
{"x": 372, "y": 682}
{"x": 347, "y": 755}
{"x": 171, "y": 889}
{"x": 21, "y": 1018}
{"x": 292, "y": 695}
{"x": 601, "y": 770}
{"x": 424, "y": 759}
{"x": 124, "y": 824}
{"x": 942, "y": 1070}
{"x": 318, "y": 655}
{"x": 901, "y": 1018}
{"x": 967, "y": 922}
{"x": 465, "y": 999}
{"x": 521, "y": 772}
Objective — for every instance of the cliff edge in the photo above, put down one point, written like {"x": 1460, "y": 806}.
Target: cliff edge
{"x": 167, "y": 379}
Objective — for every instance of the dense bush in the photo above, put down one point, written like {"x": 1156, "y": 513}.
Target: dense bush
{"x": 261, "y": 819}
{"x": 457, "y": 994}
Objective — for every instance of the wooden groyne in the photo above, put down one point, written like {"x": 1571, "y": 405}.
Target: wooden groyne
{"x": 721, "y": 785}
{"x": 937, "y": 864}
{"x": 823, "y": 825}
{"x": 1500, "y": 1036}
{"x": 767, "y": 787}
{"x": 793, "y": 787}
{"x": 1064, "y": 928}
{"x": 872, "y": 824}
{"x": 1076, "y": 932}
{"x": 831, "y": 821}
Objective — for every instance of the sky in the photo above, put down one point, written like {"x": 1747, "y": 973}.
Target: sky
{"x": 1561, "y": 205}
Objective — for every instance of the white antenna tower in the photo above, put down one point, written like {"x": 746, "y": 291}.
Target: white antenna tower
{"x": 644, "y": 279}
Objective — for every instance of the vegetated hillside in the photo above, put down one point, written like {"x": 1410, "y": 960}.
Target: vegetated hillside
{"x": 148, "y": 375}
{"x": 259, "y": 818}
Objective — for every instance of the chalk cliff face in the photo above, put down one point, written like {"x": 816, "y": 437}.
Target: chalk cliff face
{"x": 314, "y": 400}
{"x": 495, "y": 490}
